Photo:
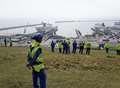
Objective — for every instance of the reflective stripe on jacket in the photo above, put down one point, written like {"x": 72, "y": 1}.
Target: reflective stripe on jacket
{"x": 36, "y": 60}
{"x": 39, "y": 63}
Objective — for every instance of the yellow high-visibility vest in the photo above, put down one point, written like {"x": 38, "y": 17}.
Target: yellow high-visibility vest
{"x": 107, "y": 45}
{"x": 88, "y": 45}
{"x": 118, "y": 46}
{"x": 39, "y": 60}
{"x": 59, "y": 45}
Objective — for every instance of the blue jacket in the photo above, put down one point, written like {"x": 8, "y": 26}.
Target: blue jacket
{"x": 74, "y": 45}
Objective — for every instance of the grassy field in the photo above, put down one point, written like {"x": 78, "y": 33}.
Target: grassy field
{"x": 65, "y": 71}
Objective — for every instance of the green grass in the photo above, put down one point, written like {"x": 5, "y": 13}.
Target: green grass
{"x": 64, "y": 71}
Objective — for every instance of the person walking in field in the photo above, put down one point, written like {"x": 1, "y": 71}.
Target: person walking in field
{"x": 60, "y": 46}
{"x": 52, "y": 46}
{"x": 64, "y": 44}
{"x": 37, "y": 62}
{"x": 5, "y": 42}
{"x": 88, "y": 48}
{"x": 107, "y": 46}
{"x": 11, "y": 43}
{"x": 74, "y": 44}
{"x": 68, "y": 46}
{"x": 81, "y": 47}
{"x": 118, "y": 48}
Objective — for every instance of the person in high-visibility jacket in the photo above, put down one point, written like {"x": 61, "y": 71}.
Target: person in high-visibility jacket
{"x": 68, "y": 45}
{"x": 107, "y": 46}
{"x": 81, "y": 47}
{"x": 60, "y": 46}
{"x": 88, "y": 48}
{"x": 118, "y": 48}
{"x": 37, "y": 62}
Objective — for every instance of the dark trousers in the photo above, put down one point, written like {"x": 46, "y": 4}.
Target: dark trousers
{"x": 88, "y": 51}
{"x": 118, "y": 52}
{"x": 68, "y": 50}
{"x": 81, "y": 50}
{"x": 107, "y": 50}
{"x": 74, "y": 50}
{"x": 60, "y": 50}
{"x": 5, "y": 44}
{"x": 41, "y": 76}
{"x": 52, "y": 48}
{"x": 101, "y": 46}
{"x": 64, "y": 49}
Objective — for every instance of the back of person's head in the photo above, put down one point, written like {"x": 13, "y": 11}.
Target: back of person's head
{"x": 38, "y": 37}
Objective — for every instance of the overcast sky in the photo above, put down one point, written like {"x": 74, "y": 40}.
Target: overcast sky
{"x": 54, "y": 9}
{"x": 51, "y": 10}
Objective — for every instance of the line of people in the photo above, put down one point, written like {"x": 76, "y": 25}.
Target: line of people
{"x": 65, "y": 46}
{"x": 37, "y": 62}
{"x": 107, "y": 47}
{"x": 7, "y": 42}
